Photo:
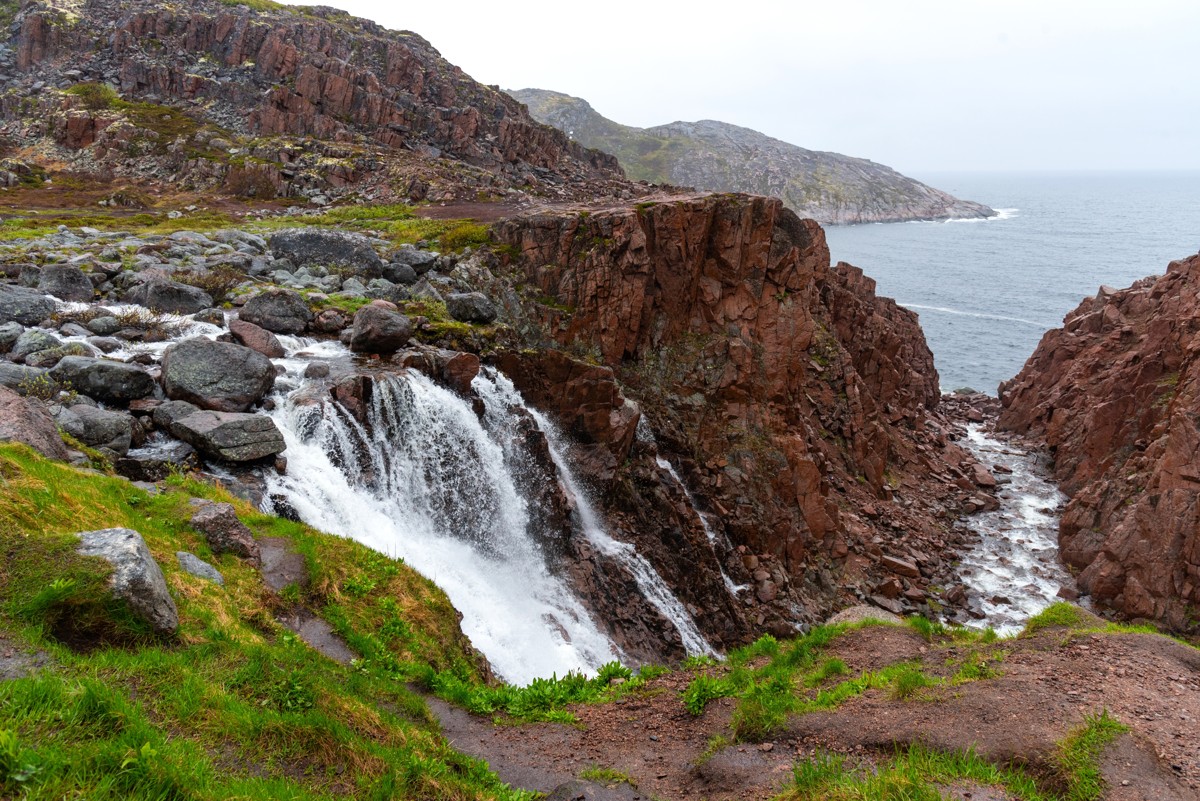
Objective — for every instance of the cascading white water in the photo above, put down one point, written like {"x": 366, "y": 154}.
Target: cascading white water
{"x": 424, "y": 481}
{"x": 734, "y": 589}
{"x": 499, "y": 394}
{"x": 1014, "y": 571}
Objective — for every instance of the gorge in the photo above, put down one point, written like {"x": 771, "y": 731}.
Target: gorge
{"x": 347, "y": 411}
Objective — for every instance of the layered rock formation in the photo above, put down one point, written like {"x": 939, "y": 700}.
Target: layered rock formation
{"x": 1114, "y": 394}
{"x": 371, "y": 103}
{"x": 717, "y": 156}
{"x": 795, "y": 404}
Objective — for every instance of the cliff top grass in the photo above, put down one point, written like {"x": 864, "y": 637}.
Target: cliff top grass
{"x": 396, "y": 223}
{"x": 235, "y": 706}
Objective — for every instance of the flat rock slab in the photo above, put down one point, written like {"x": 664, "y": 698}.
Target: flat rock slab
{"x": 232, "y": 436}
{"x": 281, "y": 565}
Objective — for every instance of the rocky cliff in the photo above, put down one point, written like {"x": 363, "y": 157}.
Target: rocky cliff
{"x": 306, "y": 98}
{"x": 717, "y": 156}
{"x": 794, "y": 402}
{"x": 1114, "y": 394}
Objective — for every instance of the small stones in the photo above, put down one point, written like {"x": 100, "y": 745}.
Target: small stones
{"x": 196, "y": 566}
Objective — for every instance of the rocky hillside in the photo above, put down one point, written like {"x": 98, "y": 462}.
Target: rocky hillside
{"x": 1114, "y": 393}
{"x": 717, "y": 156}
{"x": 274, "y": 100}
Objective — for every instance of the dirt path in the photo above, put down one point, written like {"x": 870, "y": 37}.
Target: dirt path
{"x": 282, "y": 567}
{"x": 1047, "y": 685}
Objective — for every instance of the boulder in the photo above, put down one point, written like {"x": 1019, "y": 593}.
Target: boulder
{"x": 98, "y": 427}
{"x": 399, "y": 273}
{"x": 27, "y": 421}
{"x": 66, "y": 282}
{"x": 31, "y": 341}
{"x": 169, "y": 296}
{"x": 231, "y": 436}
{"x": 104, "y": 326}
{"x": 421, "y": 261}
{"x": 166, "y": 413}
{"x": 18, "y": 376}
{"x": 195, "y": 566}
{"x": 257, "y": 338}
{"x": 104, "y": 380}
{"x": 24, "y": 306}
{"x": 156, "y": 464}
{"x": 9, "y": 334}
{"x": 319, "y": 246}
{"x": 137, "y": 579}
{"x": 379, "y": 330}
{"x": 471, "y": 307}
{"x": 221, "y": 376}
{"x": 281, "y": 311}
{"x": 225, "y": 533}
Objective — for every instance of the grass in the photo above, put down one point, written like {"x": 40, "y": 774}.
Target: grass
{"x": 1079, "y": 756}
{"x": 234, "y": 706}
{"x": 914, "y": 773}
{"x": 607, "y": 776}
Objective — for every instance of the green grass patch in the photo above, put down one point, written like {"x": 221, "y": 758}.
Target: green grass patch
{"x": 464, "y": 235}
{"x": 1058, "y": 615}
{"x": 603, "y": 775}
{"x": 235, "y": 706}
{"x": 1078, "y": 756}
{"x": 912, "y": 774}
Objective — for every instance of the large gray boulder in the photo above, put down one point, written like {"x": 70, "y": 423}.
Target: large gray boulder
{"x": 312, "y": 246}
{"x": 280, "y": 311}
{"x": 103, "y": 379}
{"x": 378, "y": 329}
{"x": 99, "y": 428}
{"x": 169, "y": 296}
{"x": 66, "y": 282}
{"x": 471, "y": 307}
{"x": 31, "y": 341}
{"x": 221, "y": 376}
{"x": 27, "y": 421}
{"x": 17, "y": 376}
{"x": 137, "y": 579}
{"x": 231, "y": 436}
{"x": 24, "y": 306}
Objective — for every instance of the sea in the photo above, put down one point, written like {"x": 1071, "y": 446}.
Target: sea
{"x": 987, "y": 290}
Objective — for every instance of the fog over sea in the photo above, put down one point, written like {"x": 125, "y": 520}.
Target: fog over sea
{"x": 986, "y": 291}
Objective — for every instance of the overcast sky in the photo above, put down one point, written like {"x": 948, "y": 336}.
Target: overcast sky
{"x": 922, "y": 85}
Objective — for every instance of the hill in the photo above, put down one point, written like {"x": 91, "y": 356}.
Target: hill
{"x": 717, "y": 156}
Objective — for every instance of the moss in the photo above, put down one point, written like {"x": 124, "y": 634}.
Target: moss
{"x": 465, "y": 235}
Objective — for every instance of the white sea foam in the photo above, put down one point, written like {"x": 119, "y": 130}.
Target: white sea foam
{"x": 981, "y": 315}
{"x": 999, "y": 216}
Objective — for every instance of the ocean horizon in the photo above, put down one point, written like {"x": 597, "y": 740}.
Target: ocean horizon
{"x": 987, "y": 290}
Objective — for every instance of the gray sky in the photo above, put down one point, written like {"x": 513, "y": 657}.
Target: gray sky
{"x": 919, "y": 85}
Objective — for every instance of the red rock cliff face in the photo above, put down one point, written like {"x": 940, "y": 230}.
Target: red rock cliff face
{"x": 1115, "y": 394}
{"x": 317, "y": 72}
{"x": 795, "y": 402}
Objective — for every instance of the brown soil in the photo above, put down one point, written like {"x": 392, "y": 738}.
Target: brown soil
{"x": 1047, "y": 685}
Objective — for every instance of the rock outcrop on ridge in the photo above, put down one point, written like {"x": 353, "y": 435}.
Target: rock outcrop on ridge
{"x": 719, "y": 157}
{"x": 1114, "y": 394}
{"x": 268, "y": 101}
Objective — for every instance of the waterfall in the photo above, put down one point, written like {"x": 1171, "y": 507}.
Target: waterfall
{"x": 424, "y": 481}
{"x": 499, "y": 396}
{"x": 730, "y": 586}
